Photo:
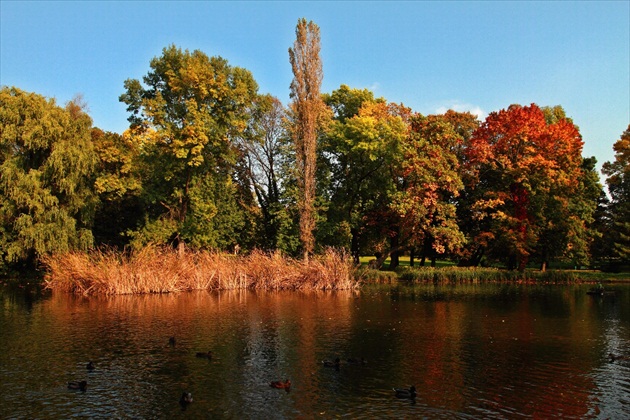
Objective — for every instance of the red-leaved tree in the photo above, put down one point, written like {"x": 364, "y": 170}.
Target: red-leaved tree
{"x": 519, "y": 163}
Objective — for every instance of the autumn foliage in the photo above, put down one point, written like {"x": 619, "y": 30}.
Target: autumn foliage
{"x": 525, "y": 159}
{"x": 210, "y": 165}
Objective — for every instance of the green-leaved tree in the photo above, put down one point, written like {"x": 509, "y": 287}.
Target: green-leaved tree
{"x": 46, "y": 165}
{"x": 618, "y": 181}
{"x": 187, "y": 116}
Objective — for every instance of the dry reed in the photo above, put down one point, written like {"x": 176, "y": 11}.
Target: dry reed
{"x": 164, "y": 270}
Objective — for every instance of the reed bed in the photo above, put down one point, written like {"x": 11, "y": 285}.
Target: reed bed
{"x": 164, "y": 270}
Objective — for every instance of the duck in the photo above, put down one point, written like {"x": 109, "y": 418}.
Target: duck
{"x": 280, "y": 385}
{"x": 90, "y": 366}
{"x": 171, "y": 341}
{"x": 185, "y": 399}
{"x": 409, "y": 393}
{"x": 206, "y": 355}
{"x": 77, "y": 385}
{"x": 355, "y": 361}
{"x": 614, "y": 357}
{"x": 328, "y": 363}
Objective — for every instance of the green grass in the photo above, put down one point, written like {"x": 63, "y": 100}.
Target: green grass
{"x": 447, "y": 272}
{"x": 404, "y": 262}
{"x": 459, "y": 275}
{"x": 597, "y": 276}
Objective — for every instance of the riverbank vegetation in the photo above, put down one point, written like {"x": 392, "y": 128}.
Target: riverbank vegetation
{"x": 209, "y": 163}
{"x": 465, "y": 275}
{"x": 165, "y": 270}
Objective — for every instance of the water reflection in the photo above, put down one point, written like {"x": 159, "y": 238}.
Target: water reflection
{"x": 491, "y": 351}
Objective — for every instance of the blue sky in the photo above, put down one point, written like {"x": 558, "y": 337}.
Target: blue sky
{"x": 431, "y": 56}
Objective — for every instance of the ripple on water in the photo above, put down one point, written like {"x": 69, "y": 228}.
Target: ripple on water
{"x": 468, "y": 357}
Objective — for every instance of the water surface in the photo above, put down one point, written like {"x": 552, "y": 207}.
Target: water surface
{"x": 474, "y": 351}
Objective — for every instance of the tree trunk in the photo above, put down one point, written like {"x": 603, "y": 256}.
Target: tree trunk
{"x": 543, "y": 266}
{"x": 475, "y": 258}
{"x": 394, "y": 254}
{"x": 354, "y": 246}
{"x": 380, "y": 258}
{"x": 394, "y": 262}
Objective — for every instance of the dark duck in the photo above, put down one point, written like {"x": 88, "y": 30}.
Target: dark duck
{"x": 409, "y": 393}
{"x": 332, "y": 363}
{"x": 185, "y": 399}
{"x": 77, "y": 385}
{"x": 204, "y": 355}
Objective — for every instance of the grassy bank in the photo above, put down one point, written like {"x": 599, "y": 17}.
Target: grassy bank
{"x": 164, "y": 270}
{"x": 461, "y": 275}
{"x": 456, "y": 275}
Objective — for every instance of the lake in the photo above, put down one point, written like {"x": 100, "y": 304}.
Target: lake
{"x": 471, "y": 351}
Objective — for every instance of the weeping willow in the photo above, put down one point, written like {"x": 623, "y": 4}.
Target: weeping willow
{"x": 46, "y": 161}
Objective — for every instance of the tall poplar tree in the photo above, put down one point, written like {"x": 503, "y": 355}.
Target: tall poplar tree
{"x": 307, "y": 108}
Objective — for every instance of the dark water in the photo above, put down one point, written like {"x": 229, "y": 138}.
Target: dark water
{"x": 483, "y": 351}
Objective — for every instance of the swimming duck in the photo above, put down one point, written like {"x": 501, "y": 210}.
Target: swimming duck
{"x": 90, "y": 366}
{"x": 207, "y": 355}
{"x": 78, "y": 385}
{"x": 336, "y": 363}
{"x": 355, "y": 361}
{"x": 280, "y": 385}
{"x": 185, "y": 399}
{"x": 405, "y": 393}
{"x": 614, "y": 357}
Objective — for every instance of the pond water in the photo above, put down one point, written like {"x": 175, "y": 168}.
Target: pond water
{"x": 472, "y": 351}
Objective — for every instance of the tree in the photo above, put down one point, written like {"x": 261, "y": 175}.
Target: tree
{"x": 430, "y": 170}
{"x": 118, "y": 185}
{"x": 187, "y": 119}
{"x": 618, "y": 182}
{"x": 346, "y": 102}
{"x": 602, "y": 231}
{"x": 264, "y": 145}
{"x": 307, "y": 108}
{"x": 565, "y": 224}
{"x": 46, "y": 165}
{"x": 361, "y": 149}
{"x": 522, "y": 168}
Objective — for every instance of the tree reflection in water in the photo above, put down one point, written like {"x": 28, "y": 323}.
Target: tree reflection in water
{"x": 491, "y": 351}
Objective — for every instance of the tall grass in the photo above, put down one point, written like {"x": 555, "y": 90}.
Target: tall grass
{"x": 164, "y": 270}
{"x": 458, "y": 275}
